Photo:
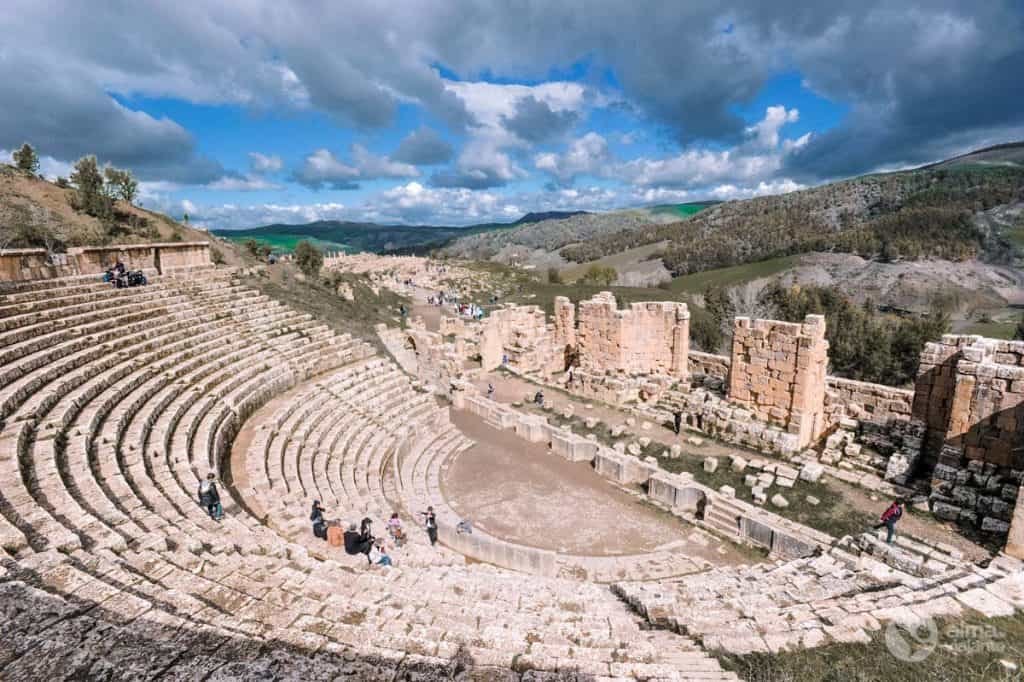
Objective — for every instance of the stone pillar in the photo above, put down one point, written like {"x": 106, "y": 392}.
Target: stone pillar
{"x": 777, "y": 370}
{"x": 490, "y": 345}
{"x": 681, "y": 343}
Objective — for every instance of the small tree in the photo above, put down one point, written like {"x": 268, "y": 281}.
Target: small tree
{"x": 554, "y": 276}
{"x": 308, "y": 258}
{"x": 600, "y": 275}
{"x": 91, "y": 195}
{"x": 121, "y": 184}
{"x": 26, "y": 159}
{"x": 252, "y": 246}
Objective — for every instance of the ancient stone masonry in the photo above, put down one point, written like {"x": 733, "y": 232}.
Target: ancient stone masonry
{"x": 646, "y": 338}
{"x": 778, "y": 369}
{"x": 27, "y": 264}
{"x": 522, "y": 334}
{"x": 970, "y": 397}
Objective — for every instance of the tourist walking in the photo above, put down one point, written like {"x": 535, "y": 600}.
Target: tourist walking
{"x": 209, "y": 497}
{"x": 889, "y": 518}
{"x": 430, "y": 523}
{"x": 677, "y": 420}
{"x": 319, "y": 523}
{"x": 490, "y": 391}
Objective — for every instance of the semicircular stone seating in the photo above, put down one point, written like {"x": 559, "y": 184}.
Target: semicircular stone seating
{"x": 113, "y": 405}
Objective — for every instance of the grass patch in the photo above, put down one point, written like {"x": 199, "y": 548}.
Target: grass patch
{"x": 357, "y": 317}
{"x": 968, "y": 650}
{"x": 992, "y": 330}
{"x": 727, "y": 277}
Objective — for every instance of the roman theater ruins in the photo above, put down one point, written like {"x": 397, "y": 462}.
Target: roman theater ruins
{"x": 565, "y": 550}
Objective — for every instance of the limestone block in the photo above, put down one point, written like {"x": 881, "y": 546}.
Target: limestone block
{"x": 759, "y": 495}
{"x": 812, "y": 500}
{"x": 738, "y": 463}
{"x": 710, "y": 464}
{"x": 634, "y": 449}
{"x": 644, "y": 441}
{"x": 750, "y": 480}
{"x": 784, "y": 482}
{"x": 811, "y": 472}
{"x": 677, "y": 451}
{"x": 728, "y": 491}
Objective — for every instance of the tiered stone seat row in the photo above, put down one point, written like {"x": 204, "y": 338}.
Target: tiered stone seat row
{"x": 110, "y": 568}
{"x": 810, "y": 602}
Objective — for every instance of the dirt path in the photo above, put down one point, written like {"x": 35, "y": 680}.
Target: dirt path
{"x": 520, "y": 492}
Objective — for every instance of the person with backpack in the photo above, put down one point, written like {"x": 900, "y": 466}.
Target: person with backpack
{"x": 319, "y": 523}
{"x": 210, "y": 498}
{"x": 889, "y": 518}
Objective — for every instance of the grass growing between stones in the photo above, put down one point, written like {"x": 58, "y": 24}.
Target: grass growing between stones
{"x": 357, "y": 317}
{"x": 967, "y": 650}
{"x": 831, "y": 515}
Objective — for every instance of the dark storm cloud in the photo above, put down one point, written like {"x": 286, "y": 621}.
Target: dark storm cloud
{"x": 535, "y": 121}
{"x": 919, "y": 79}
{"x": 423, "y": 147}
{"x": 66, "y": 115}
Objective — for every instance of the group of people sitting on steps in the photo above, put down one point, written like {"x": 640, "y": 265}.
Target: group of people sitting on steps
{"x": 121, "y": 277}
{"x": 361, "y": 540}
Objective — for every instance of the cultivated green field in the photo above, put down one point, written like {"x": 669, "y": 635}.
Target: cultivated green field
{"x": 679, "y": 210}
{"x": 727, "y": 277}
{"x": 285, "y": 243}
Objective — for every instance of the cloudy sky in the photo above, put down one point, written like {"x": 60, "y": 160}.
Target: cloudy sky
{"x": 442, "y": 112}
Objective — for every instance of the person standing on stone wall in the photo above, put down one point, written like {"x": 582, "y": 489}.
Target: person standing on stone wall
{"x": 889, "y": 518}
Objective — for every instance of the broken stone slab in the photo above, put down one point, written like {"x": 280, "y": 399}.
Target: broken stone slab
{"x": 812, "y": 500}
{"x": 634, "y": 449}
{"x": 759, "y": 495}
{"x": 811, "y": 472}
{"x": 617, "y": 430}
{"x": 784, "y": 482}
{"x": 779, "y": 501}
{"x": 750, "y": 480}
{"x": 738, "y": 463}
{"x": 711, "y": 464}
{"x": 676, "y": 450}
{"x": 728, "y": 491}
{"x": 695, "y": 441}
{"x": 591, "y": 422}
{"x": 645, "y": 425}
{"x": 644, "y": 441}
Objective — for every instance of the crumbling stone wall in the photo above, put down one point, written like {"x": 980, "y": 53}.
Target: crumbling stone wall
{"x": 777, "y": 369}
{"x": 522, "y": 334}
{"x": 866, "y": 402}
{"x": 646, "y": 338}
{"x": 969, "y": 395}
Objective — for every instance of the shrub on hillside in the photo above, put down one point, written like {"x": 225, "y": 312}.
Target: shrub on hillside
{"x": 308, "y": 258}
{"x": 599, "y": 275}
{"x": 91, "y": 196}
{"x": 554, "y": 276}
{"x": 26, "y": 159}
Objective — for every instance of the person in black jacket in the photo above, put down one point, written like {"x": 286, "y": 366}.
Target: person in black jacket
{"x": 317, "y": 518}
{"x": 359, "y": 542}
{"x": 210, "y": 498}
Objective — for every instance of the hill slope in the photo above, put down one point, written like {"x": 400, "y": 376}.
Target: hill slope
{"x": 37, "y": 213}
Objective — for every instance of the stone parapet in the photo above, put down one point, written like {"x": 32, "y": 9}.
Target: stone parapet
{"x": 18, "y": 265}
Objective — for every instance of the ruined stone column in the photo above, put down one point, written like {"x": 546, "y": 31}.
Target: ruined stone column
{"x": 490, "y": 345}
{"x": 681, "y": 343}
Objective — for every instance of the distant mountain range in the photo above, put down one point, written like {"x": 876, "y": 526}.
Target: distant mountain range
{"x": 356, "y": 236}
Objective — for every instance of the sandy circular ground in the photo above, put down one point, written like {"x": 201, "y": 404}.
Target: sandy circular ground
{"x": 522, "y": 493}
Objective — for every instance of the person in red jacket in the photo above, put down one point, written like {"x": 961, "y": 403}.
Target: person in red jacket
{"x": 889, "y": 518}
